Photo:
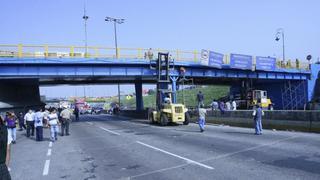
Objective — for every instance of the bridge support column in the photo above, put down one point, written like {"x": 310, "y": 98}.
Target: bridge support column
{"x": 174, "y": 88}
{"x": 139, "y": 98}
{"x": 18, "y": 94}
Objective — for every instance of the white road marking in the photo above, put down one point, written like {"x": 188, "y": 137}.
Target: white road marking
{"x": 112, "y": 132}
{"x": 90, "y": 123}
{"x": 49, "y": 152}
{"x": 46, "y": 168}
{"x": 248, "y": 149}
{"x": 50, "y": 144}
{"x": 215, "y": 157}
{"x": 169, "y": 153}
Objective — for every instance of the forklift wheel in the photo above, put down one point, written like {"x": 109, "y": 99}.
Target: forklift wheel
{"x": 163, "y": 120}
{"x": 186, "y": 118}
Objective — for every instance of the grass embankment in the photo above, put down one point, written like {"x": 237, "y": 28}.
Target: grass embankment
{"x": 190, "y": 96}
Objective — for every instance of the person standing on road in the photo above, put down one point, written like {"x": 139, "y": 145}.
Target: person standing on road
{"x": 53, "y": 123}
{"x": 76, "y": 112}
{"x": 29, "y": 120}
{"x": 257, "y": 116}
{"x": 11, "y": 125}
{"x": 4, "y": 151}
{"x": 21, "y": 121}
{"x": 202, "y": 117}
{"x": 200, "y": 99}
{"x": 65, "y": 121}
{"x": 38, "y": 123}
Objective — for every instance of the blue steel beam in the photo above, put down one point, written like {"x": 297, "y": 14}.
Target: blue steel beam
{"x": 14, "y": 67}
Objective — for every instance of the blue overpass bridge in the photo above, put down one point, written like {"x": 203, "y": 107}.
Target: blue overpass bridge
{"x": 24, "y": 67}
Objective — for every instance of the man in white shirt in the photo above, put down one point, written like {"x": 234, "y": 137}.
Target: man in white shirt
{"x": 202, "y": 117}
{"x": 234, "y": 105}
{"x": 29, "y": 120}
{"x": 53, "y": 123}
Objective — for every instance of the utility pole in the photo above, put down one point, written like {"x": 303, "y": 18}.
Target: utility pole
{"x": 85, "y": 18}
{"x": 115, "y": 22}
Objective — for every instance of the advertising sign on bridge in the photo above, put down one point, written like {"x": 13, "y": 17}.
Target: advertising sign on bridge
{"x": 215, "y": 59}
{"x": 239, "y": 61}
{"x": 265, "y": 63}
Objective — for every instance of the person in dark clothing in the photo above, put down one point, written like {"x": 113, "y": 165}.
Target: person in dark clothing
{"x": 4, "y": 173}
{"x": 257, "y": 117}
{"x": 76, "y": 113}
{"x": 21, "y": 121}
{"x": 200, "y": 99}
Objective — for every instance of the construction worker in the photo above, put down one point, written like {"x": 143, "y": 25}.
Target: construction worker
{"x": 202, "y": 117}
{"x": 297, "y": 63}
{"x": 150, "y": 54}
{"x": 200, "y": 98}
{"x": 289, "y": 63}
{"x": 257, "y": 117}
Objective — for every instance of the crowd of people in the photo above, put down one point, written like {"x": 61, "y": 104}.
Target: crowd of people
{"x": 33, "y": 122}
{"x": 223, "y": 106}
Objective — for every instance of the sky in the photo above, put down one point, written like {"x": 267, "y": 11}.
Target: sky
{"x": 225, "y": 26}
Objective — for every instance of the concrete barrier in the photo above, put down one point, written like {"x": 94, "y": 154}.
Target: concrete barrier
{"x": 277, "y": 119}
{"x": 282, "y": 120}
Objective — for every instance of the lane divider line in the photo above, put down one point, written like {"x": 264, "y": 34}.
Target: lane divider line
{"x": 49, "y": 152}
{"x": 177, "y": 156}
{"x": 46, "y": 168}
{"x": 50, "y": 144}
{"x": 112, "y": 132}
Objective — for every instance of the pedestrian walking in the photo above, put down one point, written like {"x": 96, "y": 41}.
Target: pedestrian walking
{"x": 202, "y": 117}
{"x": 38, "y": 123}
{"x": 11, "y": 125}
{"x": 257, "y": 116}
{"x": 76, "y": 113}
{"x": 65, "y": 121}
{"x": 200, "y": 98}
{"x": 21, "y": 121}
{"x": 4, "y": 151}
{"x": 29, "y": 120}
{"x": 53, "y": 124}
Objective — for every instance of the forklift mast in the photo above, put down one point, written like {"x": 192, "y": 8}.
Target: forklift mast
{"x": 163, "y": 67}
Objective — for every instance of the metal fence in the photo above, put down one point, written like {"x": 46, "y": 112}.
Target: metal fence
{"x": 62, "y": 51}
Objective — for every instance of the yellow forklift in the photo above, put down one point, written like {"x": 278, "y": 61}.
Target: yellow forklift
{"x": 166, "y": 111}
{"x": 259, "y": 96}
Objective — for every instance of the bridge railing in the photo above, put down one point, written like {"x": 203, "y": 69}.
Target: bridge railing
{"x": 60, "y": 51}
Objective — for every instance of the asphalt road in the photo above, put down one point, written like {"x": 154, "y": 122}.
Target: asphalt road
{"x": 106, "y": 147}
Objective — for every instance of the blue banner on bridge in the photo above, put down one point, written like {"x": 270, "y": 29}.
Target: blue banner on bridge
{"x": 265, "y": 63}
{"x": 215, "y": 59}
{"x": 239, "y": 61}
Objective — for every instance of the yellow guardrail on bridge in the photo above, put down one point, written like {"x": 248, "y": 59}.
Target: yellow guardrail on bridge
{"x": 63, "y": 51}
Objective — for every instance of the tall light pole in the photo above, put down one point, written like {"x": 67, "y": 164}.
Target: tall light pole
{"x": 115, "y": 22}
{"x": 280, "y": 31}
{"x": 85, "y": 18}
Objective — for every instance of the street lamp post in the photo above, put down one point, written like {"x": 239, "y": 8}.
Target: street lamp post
{"x": 85, "y": 18}
{"x": 115, "y": 22}
{"x": 280, "y": 31}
